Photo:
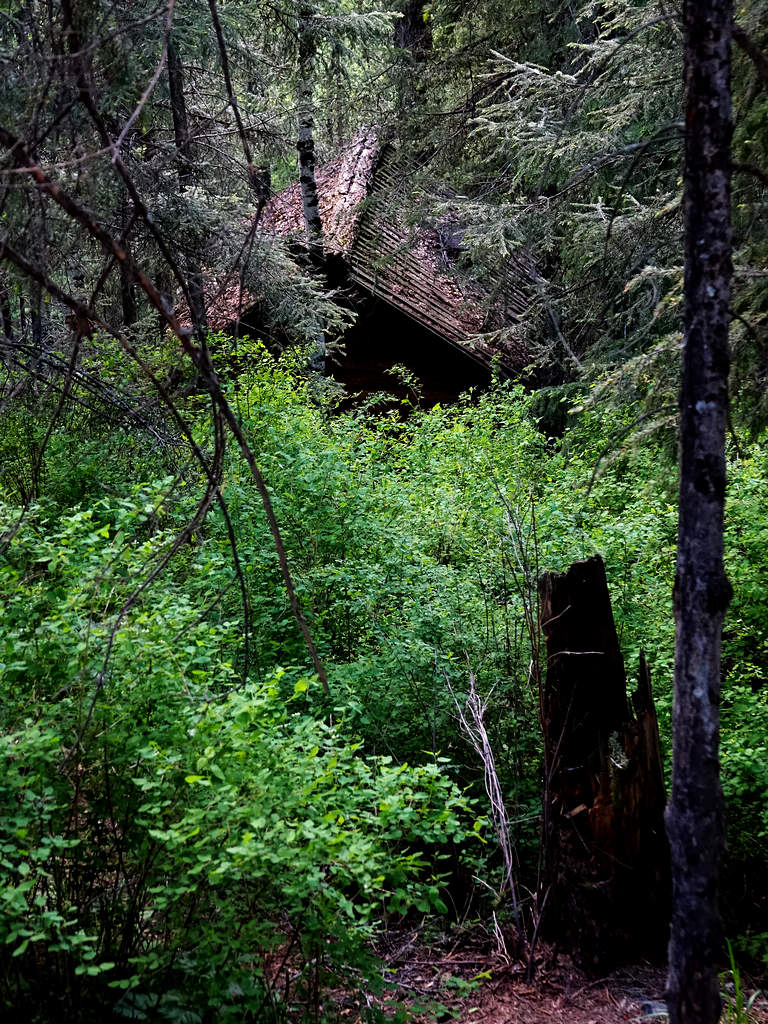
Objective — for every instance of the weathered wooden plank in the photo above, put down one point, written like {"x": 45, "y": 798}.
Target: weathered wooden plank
{"x": 400, "y": 264}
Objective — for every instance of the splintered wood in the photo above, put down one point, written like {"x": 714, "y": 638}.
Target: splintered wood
{"x": 606, "y": 857}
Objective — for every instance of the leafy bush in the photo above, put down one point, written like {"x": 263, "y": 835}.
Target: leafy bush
{"x": 187, "y": 835}
{"x": 167, "y": 828}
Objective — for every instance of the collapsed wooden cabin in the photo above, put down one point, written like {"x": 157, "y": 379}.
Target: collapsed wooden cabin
{"x": 414, "y": 304}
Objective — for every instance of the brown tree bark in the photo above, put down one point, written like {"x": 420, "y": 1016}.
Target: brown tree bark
{"x": 184, "y": 170}
{"x": 36, "y": 315}
{"x": 179, "y": 112}
{"x": 305, "y": 118}
{"x": 413, "y": 31}
{"x": 413, "y": 38}
{"x": 127, "y": 289}
{"x": 606, "y": 863}
{"x": 694, "y": 815}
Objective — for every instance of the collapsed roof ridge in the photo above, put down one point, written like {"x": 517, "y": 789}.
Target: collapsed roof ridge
{"x": 342, "y": 185}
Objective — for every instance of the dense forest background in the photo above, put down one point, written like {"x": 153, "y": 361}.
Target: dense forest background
{"x": 201, "y": 818}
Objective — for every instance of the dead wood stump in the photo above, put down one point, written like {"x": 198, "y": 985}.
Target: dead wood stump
{"x": 605, "y": 852}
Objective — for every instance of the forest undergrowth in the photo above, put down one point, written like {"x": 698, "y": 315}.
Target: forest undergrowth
{"x": 203, "y": 818}
{"x": 191, "y": 829}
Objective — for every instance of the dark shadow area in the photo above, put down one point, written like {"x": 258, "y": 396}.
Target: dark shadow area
{"x": 383, "y": 337}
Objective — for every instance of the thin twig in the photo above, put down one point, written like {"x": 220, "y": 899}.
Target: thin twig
{"x": 198, "y": 356}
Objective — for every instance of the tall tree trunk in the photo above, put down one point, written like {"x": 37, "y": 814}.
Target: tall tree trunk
{"x": 305, "y": 116}
{"x": 694, "y": 815}
{"x": 36, "y": 315}
{"x": 127, "y": 292}
{"x": 23, "y": 314}
{"x": 310, "y": 204}
{"x": 413, "y": 37}
{"x": 179, "y": 112}
{"x": 127, "y": 289}
{"x": 6, "y": 315}
{"x": 184, "y": 170}
{"x": 413, "y": 31}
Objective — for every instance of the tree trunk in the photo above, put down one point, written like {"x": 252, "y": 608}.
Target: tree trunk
{"x": 185, "y": 172}
{"x": 413, "y": 37}
{"x": 605, "y": 853}
{"x": 694, "y": 816}
{"x": 127, "y": 289}
{"x": 36, "y": 315}
{"x": 127, "y": 292}
{"x": 310, "y": 202}
{"x": 413, "y": 31}
{"x": 6, "y": 316}
{"x": 179, "y": 112}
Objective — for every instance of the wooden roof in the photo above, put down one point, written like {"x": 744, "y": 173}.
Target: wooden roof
{"x": 342, "y": 185}
{"x": 412, "y": 268}
{"x": 225, "y": 303}
{"x": 362, "y": 194}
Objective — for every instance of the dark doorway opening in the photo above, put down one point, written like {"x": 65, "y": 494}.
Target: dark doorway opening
{"x": 383, "y": 337}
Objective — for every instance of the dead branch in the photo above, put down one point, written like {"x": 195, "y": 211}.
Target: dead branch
{"x": 198, "y": 356}
{"x": 472, "y": 720}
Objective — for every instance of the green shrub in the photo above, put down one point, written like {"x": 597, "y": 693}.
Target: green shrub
{"x": 180, "y": 822}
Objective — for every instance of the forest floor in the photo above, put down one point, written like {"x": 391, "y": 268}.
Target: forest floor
{"x": 464, "y": 982}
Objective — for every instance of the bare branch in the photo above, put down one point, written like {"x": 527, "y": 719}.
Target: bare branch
{"x": 199, "y": 357}
{"x": 472, "y": 719}
{"x": 753, "y": 51}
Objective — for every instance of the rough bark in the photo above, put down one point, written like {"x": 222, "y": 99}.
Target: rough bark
{"x": 606, "y": 860}
{"x": 413, "y": 31}
{"x": 127, "y": 290}
{"x": 694, "y": 815}
{"x": 305, "y": 123}
{"x": 36, "y": 315}
{"x": 127, "y": 294}
{"x": 413, "y": 37}
{"x": 305, "y": 115}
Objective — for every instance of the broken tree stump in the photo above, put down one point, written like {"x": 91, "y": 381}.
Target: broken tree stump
{"x": 606, "y": 861}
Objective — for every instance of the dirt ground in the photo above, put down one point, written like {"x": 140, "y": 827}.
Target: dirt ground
{"x": 463, "y": 981}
